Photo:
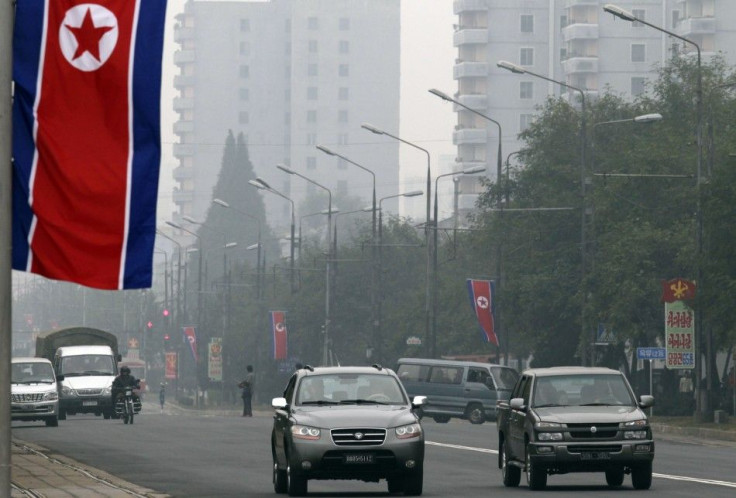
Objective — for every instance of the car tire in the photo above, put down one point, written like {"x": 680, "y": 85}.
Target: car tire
{"x": 106, "y": 415}
{"x": 395, "y": 484}
{"x": 279, "y": 479}
{"x": 413, "y": 482}
{"x": 52, "y": 422}
{"x": 641, "y": 476}
{"x": 510, "y": 473}
{"x": 615, "y": 477}
{"x": 441, "y": 419}
{"x": 475, "y": 413}
{"x": 296, "y": 485}
{"x": 536, "y": 476}
{"x": 62, "y": 414}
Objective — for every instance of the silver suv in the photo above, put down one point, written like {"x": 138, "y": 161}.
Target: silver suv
{"x": 33, "y": 389}
{"x": 347, "y": 423}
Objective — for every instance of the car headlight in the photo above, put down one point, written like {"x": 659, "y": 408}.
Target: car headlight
{"x": 68, "y": 391}
{"x": 409, "y": 431}
{"x": 305, "y": 432}
{"x": 633, "y": 424}
{"x": 107, "y": 391}
{"x": 635, "y": 434}
{"x": 51, "y": 396}
{"x": 546, "y": 435}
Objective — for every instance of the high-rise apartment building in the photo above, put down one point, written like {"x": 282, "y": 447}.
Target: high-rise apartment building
{"x": 573, "y": 41}
{"x": 290, "y": 75}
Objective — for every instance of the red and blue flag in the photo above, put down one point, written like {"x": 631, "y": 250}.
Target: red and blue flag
{"x": 481, "y": 299}
{"x": 190, "y": 337}
{"x": 87, "y": 139}
{"x": 279, "y": 334}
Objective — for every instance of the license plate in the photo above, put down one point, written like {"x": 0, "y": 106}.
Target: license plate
{"x": 359, "y": 458}
{"x": 89, "y": 403}
{"x": 595, "y": 455}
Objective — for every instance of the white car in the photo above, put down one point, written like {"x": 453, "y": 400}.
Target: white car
{"x": 34, "y": 393}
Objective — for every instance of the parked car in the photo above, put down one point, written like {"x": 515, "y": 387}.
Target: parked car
{"x": 461, "y": 389}
{"x": 34, "y": 392}
{"x": 574, "y": 419}
{"x": 347, "y": 423}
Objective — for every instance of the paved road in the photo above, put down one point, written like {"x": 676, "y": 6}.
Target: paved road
{"x": 221, "y": 456}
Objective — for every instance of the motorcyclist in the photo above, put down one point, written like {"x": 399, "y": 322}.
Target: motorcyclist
{"x": 125, "y": 379}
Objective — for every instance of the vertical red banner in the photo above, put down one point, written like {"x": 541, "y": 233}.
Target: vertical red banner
{"x": 481, "y": 299}
{"x": 172, "y": 368}
{"x": 279, "y": 334}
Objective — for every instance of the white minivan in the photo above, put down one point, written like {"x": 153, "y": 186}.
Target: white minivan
{"x": 33, "y": 391}
{"x": 86, "y": 374}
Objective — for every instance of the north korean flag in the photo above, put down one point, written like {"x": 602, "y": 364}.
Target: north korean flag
{"x": 279, "y": 334}
{"x": 481, "y": 299}
{"x": 86, "y": 139}
{"x": 190, "y": 337}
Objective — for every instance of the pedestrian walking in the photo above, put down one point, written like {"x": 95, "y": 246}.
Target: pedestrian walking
{"x": 247, "y": 386}
{"x": 162, "y": 395}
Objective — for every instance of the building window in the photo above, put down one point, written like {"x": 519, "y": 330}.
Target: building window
{"x": 527, "y": 23}
{"x": 244, "y": 48}
{"x": 342, "y": 116}
{"x": 525, "y": 120}
{"x": 287, "y": 25}
{"x": 313, "y": 47}
{"x": 287, "y": 95}
{"x": 526, "y": 90}
{"x": 526, "y": 56}
{"x": 313, "y": 23}
{"x": 342, "y": 139}
{"x": 244, "y": 71}
{"x": 638, "y": 86}
{"x": 639, "y": 14}
{"x": 563, "y": 21}
{"x": 343, "y": 93}
{"x": 675, "y": 18}
{"x": 312, "y": 93}
{"x": 243, "y": 117}
{"x": 243, "y": 94}
{"x": 638, "y": 52}
{"x": 344, "y": 47}
{"x": 343, "y": 70}
{"x": 312, "y": 70}
{"x": 245, "y": 25}
{"x": 344, "y": 23}
{"x": 311, "y": 162}
{"x": 563, "y": 54}
{"x": 342, "y": 163}
{"x": 311, "y": 139}
{"x": 287, "y": 48}
{"x": 311, "y": 116}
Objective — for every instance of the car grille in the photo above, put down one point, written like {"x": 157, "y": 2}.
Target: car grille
{"x": 597, "y": 449}
{"x": 358, "y": 437}
{"x": 27, "y": 398}
{"x": 585, "y": 431}
{"x": 89, "y": 392}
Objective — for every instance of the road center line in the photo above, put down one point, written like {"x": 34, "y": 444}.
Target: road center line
{"x": 660, "y": 476}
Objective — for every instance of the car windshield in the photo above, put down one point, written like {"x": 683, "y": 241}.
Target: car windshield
{"x": 353, "y": 388}
{"x": 88, "y": 364}
{"x": 32, "y": 373}
{"x": 581, "y": 390}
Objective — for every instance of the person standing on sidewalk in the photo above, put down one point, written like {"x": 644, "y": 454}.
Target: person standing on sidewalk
{"x": 247, "y": 386}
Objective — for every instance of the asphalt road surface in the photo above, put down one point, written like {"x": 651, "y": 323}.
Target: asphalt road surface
{"x": 217, "y": 456}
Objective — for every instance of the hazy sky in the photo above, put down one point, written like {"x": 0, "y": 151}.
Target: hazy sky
{"x": 427, "y": 57}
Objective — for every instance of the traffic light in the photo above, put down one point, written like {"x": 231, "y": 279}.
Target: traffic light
{"x": 166, "y": 312}
{"x": 149, "y": 324}
{"x": 167, "y": 342}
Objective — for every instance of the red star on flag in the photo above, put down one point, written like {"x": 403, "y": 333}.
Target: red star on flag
{"x": 88, "y": 36}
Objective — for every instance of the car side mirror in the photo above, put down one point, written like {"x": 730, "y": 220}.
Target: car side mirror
{"x": 517, "y": 404}
{"x": 279, "y": 403}
{"x": 418, "y": 401}
{"x": 646, "y": 401}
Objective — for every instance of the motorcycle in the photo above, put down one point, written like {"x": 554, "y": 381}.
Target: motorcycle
{"x": 127, "y": 405}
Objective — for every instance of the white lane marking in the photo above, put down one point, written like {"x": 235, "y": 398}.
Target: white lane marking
{"x": 661, "y": 476}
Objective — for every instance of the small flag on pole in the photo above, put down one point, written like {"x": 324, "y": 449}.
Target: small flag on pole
{"x": 279, "y": 334}
{"x": 190, "y": 337}
{"x": 481, "y": 299}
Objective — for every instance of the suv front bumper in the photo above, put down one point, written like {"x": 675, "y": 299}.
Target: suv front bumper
{"x": 592, "y": 456}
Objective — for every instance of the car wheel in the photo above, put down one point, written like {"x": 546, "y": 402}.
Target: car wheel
{"x": 510, "y": 473}
{"x": 62, "y": 414}
{"x": 296, "y": 485}
{"x": 641, "y": 476}
{"x": 395, "y": 484}
{"x": 441, "y": 419}
{"x": 614, "y": 477}
{"x": 476, "y": 414}
{"x": 413, "y": 483}
{"x": 106, "y": 414}
{"x": 536, "y": 477}
{"x": 279, "y": 479}
{"x": 52, "y": 422}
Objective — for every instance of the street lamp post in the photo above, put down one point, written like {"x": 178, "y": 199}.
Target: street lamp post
{"x": 628, "y": 16}
{"x": 584, "y": 208}
{"x": 427, "y": 297}
{"x": 301, "y": 220}
{"x": 326, "y": 344}
{"x": 227, "y": 205}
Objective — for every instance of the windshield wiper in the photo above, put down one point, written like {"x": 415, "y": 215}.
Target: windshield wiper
{"x": 547, "y": 405}
{"x": 320, "y": 402}
{"x": 363, "y": 402}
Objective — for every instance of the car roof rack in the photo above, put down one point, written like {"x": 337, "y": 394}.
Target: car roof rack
{"x": 377, "y": 366}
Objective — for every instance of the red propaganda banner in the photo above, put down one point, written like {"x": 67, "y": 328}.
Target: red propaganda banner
{"x": 190, "y": 337}
{"x": 481, "y": 299}
{"x": 677, "y": 289}
{"x": 171, "y": 365}
{"x": 279, "y": 334}
{"x": 87, "y": 139}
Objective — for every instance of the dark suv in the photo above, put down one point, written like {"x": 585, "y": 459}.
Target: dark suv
{"x": 347, "y": 423}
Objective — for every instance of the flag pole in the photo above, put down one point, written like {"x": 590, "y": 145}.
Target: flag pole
{"x": 6, "y": 338}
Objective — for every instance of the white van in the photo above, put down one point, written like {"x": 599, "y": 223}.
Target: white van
{"x": 86, "y": 374}
{"x": 461, "y": 389}
{"x": 33, "y": 391}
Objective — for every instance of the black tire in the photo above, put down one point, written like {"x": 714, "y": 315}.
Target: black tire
{"x": 395, "y": 484}
{"x": 62, "y": 414}
{"x": 279, "y": 479}
{"x": 510, "y": 473}
{"x": 441, "y": 419}
{"x": 475, "y": 413}
{"x": 296, "y": 485}
{"x": 106, "y": 414}
{"x": 641, "y": 476}
{"x": 536, "y": 477}
{"x": 52, "y": 422}
{"x": 413, "y": 482}
{"x": 615, "y": 477}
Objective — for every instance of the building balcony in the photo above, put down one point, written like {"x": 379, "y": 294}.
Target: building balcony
{"x": 184, "y": 57}
{"x": 579, "y": 64}
{"x": 182, "y": 173}
{"x": 466, "y": 202}
{"x": 181, "y": 81}
{"x": 477, "y": 102}
{"x": 183, "y": 127}
{"x": 580, "y": 31}
{"x": 182, "y": 196}
{"x": 183, "y": 104}
{"x": 462, "y": 164}
{"x": 696, "y": 26}
{"x": 183, "y": 150}
{"x": 181, "y": 33}
{"x": 575, "y": 3}
{"x": 470, "y": 70}
{"x": 469, "y": 136}
{"x": 459, "y": 6}
{"x": 470, "y": 36}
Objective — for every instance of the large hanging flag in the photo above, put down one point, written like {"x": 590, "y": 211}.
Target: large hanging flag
{"x": 86, "y": 139}
{"x": 190, "y": 337}
{"x": 481, "y": 299}
{"x": 279, "y": 334}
